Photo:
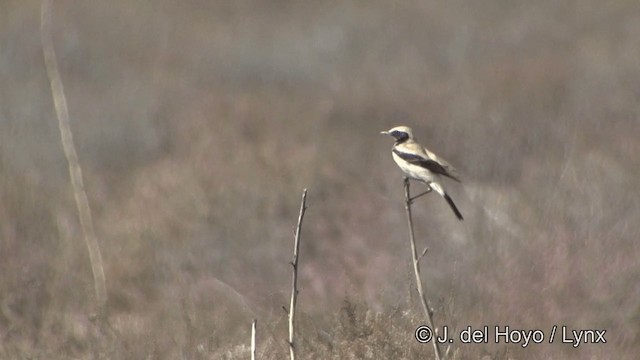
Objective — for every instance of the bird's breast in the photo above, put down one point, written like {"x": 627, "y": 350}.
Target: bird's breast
{"x": 414, "y": 171}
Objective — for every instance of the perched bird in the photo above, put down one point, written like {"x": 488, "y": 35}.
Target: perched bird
{"x": 420, "y": 164}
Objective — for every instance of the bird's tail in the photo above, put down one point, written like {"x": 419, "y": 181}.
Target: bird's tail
{"x": 440, "y": 190}
{"x": 453, "y": 206}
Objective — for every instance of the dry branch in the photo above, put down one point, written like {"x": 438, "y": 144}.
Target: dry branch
{"x": 253, "y": 339}
{"x": 294, "y": 282}
{"x": 416, "y": 267}
{"x": 75, "y": 171}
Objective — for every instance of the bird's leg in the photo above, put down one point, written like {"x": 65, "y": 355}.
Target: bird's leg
{"x": 423, "y": 193}
{"x": 407, "y": 192}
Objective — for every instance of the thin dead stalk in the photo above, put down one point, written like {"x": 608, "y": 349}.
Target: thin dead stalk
{"x": 294, "y": 282}
{"x": 416, "y": 268}
{"x": 253, "y": 339}
{"x": 75, "y": 170}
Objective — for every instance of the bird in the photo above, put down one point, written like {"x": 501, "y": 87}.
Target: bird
{"x": 420, "y": 164}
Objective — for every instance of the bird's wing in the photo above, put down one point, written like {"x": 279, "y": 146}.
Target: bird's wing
{"x": 451, "y": 171}
{"x": 415, "y": 154}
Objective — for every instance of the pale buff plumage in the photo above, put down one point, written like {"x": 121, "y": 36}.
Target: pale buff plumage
{"x": 420, "y": 164}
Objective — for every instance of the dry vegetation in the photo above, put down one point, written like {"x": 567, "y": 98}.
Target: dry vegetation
{"x": 199, "y": 122}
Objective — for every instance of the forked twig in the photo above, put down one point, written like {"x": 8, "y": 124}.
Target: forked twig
{"x": 294, "y": 282}
{"x": 416, "y": 266}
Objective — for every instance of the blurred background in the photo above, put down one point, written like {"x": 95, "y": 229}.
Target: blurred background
{"x": 198, "y": 124}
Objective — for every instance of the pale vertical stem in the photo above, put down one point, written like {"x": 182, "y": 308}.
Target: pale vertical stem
{"x": 75, "y": 171}
{"x": 294, "y": 282}
{"x": 416, "y": 269}
{"x": 253, "y": 340}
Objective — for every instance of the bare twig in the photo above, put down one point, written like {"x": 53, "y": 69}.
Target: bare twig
{"x": 416, "y": 267}
{"x": 75, "y": 170}
{"x": 424, "y": 252}
{"x": 253, "y": 339}
{"x": 294, "y": 282}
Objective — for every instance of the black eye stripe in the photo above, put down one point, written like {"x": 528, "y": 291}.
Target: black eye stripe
{"x": 401, "y": 136}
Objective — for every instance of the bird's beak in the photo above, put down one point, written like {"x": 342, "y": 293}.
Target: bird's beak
{"x": 384, "y": 132}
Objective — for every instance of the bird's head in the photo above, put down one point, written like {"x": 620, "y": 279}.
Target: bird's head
{"x": 400, "y": 133}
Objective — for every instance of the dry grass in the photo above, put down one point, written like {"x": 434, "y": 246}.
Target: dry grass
{"x": 197, "y": 123}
